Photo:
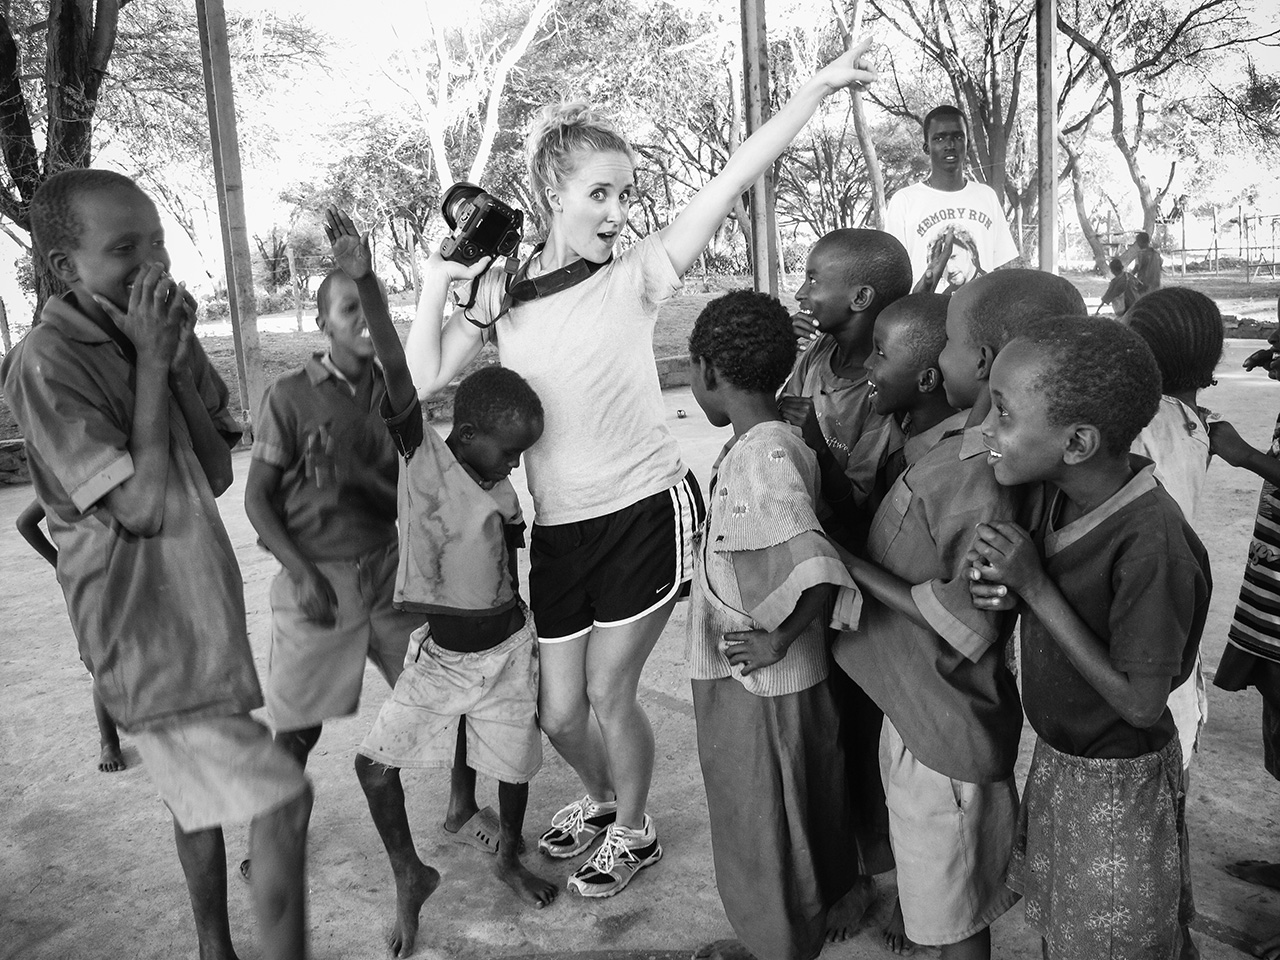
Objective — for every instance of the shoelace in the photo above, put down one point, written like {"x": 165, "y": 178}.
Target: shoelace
{"x": 577, "y": 820}
{"x": 614, "y": 845}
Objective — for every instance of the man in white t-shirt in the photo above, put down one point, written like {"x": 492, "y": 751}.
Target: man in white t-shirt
{"x": 953, "y": 228}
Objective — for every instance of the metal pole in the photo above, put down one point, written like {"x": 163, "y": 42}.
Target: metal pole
{"x": 1047, "y": 136}
{"x": 220, "y": 102}
{"x": 755, "y": 81}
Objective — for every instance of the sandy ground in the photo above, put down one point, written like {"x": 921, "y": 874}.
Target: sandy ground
{"x": 87, "y": 865}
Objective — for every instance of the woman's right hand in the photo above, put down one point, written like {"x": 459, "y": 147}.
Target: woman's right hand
{"x": 848, "y": 69}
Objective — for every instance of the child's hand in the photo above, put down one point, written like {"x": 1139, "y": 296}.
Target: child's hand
{"x": 985, "y": 594}
{"x": 1226, "y": 442}
{"x": 848, "y": 69}
{"x": 1259, "y": 358}
{"x": 805, "y": 328}
{"x": 155, "y": 315}
{"x": 1006, "y": 555}
{"x": 187, "y": 330}
{"x": 454, "y": 270}
{"x": 350, "y": 250}
{"x": 798, "y": 411}
{"x": 316, "y": 598}
{"x": 753, "y": 649}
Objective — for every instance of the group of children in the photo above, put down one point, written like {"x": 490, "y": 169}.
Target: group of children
{"x": 928, "y": 470}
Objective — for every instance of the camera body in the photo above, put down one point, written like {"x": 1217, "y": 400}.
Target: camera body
{"x": 482, "y": 225}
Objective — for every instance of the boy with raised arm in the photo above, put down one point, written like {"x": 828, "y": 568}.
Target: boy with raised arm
{"x": 469, "y": 690}
{"x": 128, "y": 438}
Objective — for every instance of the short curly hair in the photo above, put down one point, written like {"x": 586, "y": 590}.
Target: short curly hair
{"x": 494, "y": 397}
{"x": 747, "y": 337}
{"x": 55, "y": 213}
{"x": 923, "y": 319}
{"x": 1094, "y": 370}
{"x": 1001, "y": 303}
{"x": 873, "y": 257}
{"x": 1183, "y": 328}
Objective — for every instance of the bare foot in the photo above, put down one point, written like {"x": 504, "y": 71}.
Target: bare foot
{"x": 110, "y": 760}
{"x": 723, "y": 950}
{"x": 1268, "y": 949}
{"x": 412, "y": 890}
{"x": 1258, "y": 872}
{"x": 845, "y": 918}
{"x": 895, "y": 933}
{"x": 528, "y": 886}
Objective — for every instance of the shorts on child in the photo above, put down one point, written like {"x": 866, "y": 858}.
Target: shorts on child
{"x": 494, "y": 690}
{"x": 218, "y": 771}
{"x": 951, "y": 841}
{"x": 314, "y": 672}
{"x": 1101, "y": 854}
{"x": 612, "y": 570}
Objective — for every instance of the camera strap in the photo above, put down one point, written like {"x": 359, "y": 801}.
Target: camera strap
{"x": 522, "y": 288}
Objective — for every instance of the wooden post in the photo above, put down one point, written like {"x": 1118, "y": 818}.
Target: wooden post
{"x": 850, "y": 30}
{"x": 755, "y": 82}
{"x": 294, "y": 283}
{"x": 5, "y": 338}
{"x": 1184, "y": 239}
{"x": 220, "y": 102}
{"x": 1047, "y": 136}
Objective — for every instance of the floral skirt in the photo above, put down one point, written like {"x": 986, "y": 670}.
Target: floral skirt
{"x": 1101, "y": 855}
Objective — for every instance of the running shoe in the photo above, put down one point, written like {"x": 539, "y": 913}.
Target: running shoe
{"x": 623, "y": 854}
{"x": 575, "y": 827}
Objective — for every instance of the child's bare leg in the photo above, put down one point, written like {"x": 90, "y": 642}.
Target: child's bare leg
{"x": 976, "y": 947}
{"x": 895, "y": 932}
{"x": 512, "y": 800}
{"x": 415, "y": 881}
{"x": 203, "y": 856}
{"x": 278, "y": 845}
{"x": 300, "y": 742}
{"x": 462, "y": 785}
{"x": 1258, "y": 872}
{"x": 110, "y": 759}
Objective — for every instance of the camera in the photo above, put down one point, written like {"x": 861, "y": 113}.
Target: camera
{"x": 482, "y": 225}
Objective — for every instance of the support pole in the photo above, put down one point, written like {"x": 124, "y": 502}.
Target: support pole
{"x": 755, "y": 82}
{"x": 1047, "y": 136}
{"x": 220, "y": 102}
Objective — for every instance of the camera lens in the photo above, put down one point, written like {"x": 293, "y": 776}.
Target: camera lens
{"x": 456, "y": 199}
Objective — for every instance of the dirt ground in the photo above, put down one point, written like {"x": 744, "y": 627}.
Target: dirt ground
{"x": 87, "y": 864}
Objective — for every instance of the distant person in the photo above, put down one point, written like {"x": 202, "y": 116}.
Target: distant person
{"x": 1148, "y": 265}
{"x": 129, "y": 440}
{"x": 110, "y": 759}
{"x": 1122, "y": 292}
{"x": 954, "y": 228}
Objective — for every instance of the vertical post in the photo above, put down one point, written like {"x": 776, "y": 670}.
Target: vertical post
{"x": 1047, "y": 136}
{"x": 755, "y": 82}
{"x": 220, "y": 102}
{"x": 1184, "y": 238}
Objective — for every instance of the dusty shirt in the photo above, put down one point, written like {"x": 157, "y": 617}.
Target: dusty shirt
{"x": 337, "y": 493}
{"x": 860, "y": 439}
{"x": 160, "y": 620}
{"x": 588, "y": 353}
{"x": 1177, "y": 443}
{"x": 945, "y": 687}
{"x": 762, "y": 547}
{"x": 919, "y": 215}
{"x": 1136, "y": 573}
{"x": 454, "y": 534}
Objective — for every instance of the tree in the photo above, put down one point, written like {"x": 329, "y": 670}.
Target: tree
{"x": 112, "y": 73}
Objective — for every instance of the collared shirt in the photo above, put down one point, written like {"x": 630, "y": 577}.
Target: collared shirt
{"x": 946, "y": 687}
{"x": 1177, "y": 442}
{"x": 761, "y": 548}
{"x": 1135, "y": 572}
{"x": 860, "y": 439}
{"x": 455, "y": 535}
{"x": 160, "y": 620}
{"x": 337, "y": 492}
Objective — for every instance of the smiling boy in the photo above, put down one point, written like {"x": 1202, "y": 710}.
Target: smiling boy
{"x": 128, "y": 437}
{"x": 933, "y": 217}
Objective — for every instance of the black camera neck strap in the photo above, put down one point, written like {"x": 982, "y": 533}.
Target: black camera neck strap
{"x": 521, "y": 288}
